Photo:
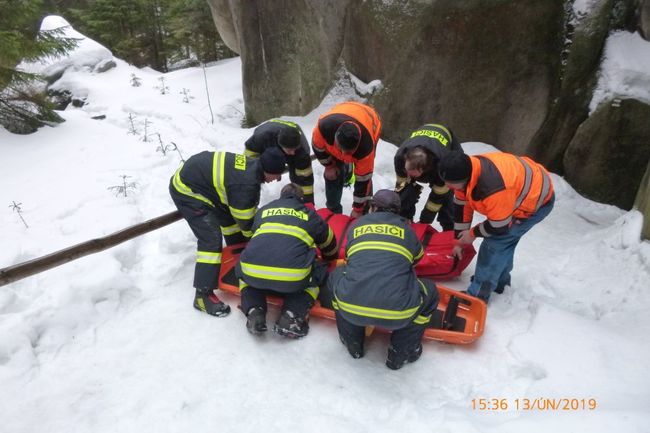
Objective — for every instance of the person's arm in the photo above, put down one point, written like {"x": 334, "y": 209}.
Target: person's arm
{"x": 323, "y": 236}
{"x": 301, "y": 173}
{"x": 243, "y": 206}
{"x": 363, "y": 171}
{"x": 437, "y": 198}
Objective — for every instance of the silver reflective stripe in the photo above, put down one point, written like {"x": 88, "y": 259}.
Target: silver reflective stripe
{"x": 500, "y": 223}
{"x": 361, "y": 199}
{"x": 546, "y": 186}
{"x": 433, "y": 207}
{"x": 364, "y": 177}
{"x": 325, "y": 161}
{"x": 459, "y": 201}
{"x": 440, "y": 190}
{"x": 527, "y": 181}
{"x": 481, "y": 228}
{"x": 462, "y": 226}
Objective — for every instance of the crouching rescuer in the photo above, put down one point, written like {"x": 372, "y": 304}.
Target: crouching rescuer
{"x": 217, "y": 193}
{"x": 281, "y": 259}
{"x": 378, "y": 285}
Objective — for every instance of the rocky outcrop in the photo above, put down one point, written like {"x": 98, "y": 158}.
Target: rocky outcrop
{"x": 644, "y": 19}
{"x": 513, "y": 73}
{"x": 608, "y": 156}
{"x": 642, "y": 202}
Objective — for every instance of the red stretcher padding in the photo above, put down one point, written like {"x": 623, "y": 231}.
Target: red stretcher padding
{"x": 438, "y": 263}
{"x": 459, "y": 319}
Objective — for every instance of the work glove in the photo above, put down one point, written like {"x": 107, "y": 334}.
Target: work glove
{"x": 409, "y": 195}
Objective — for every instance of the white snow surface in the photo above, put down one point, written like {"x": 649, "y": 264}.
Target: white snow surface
{"x": 111, "y": 343}
{"x": 625, "y": 69}
{"x": 86, "y": 55}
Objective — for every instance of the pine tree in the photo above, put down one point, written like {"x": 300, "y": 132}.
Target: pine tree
{"x": 22, "y": 110}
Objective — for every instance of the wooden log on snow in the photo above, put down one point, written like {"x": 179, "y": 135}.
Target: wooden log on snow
{"x": 31, "y": 267}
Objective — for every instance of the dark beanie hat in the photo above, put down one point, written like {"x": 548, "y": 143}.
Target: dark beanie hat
{"x": 455, "y": 167}
{"x": 386, "y": 199}
{"x": 273, "y": 161}
{"x": 348, "y": 135}
{"x": 292, "y": 190}
{"x": 289, "y": 138}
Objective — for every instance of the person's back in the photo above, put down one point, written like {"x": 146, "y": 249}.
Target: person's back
{"x": 380, "y": 252}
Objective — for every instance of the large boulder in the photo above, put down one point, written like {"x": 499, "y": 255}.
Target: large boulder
{"x": 289, "y": 51}
{"x": 484, "y": 68}
{"x": 608, "y": 156}
{"x": 642, "y": 202}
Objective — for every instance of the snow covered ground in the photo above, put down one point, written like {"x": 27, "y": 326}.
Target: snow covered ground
{"x": 111, "y": 343}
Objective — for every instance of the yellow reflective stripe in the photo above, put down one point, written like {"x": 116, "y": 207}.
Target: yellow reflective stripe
{"x": 304, "y": 172}
{"x": 218, "y": 169}
{"x": 400, "y": 181}
{"x": 230, "y": 230}
{"x": 185, "y": 190}
{"x": 313, "y": 292}
{"x": 384, "y": 246}
{"x": 440, "y": 190}
{"x": 208, "y": 257}
{"x": 377, "y": 313}
{"x": 422, "y": 320}
{"x": 251, "y": 153}
{"x": 435, "y": 125}
{"x": 308, "y": 189}
{"x": 284, "y": 229}
{"x": 243, "y": 214}
{"x": 419, "y": 255}
{"x": 433, "y": 207}
{"x": 247, "y": 233}
{"x": 274, "y": 273}
{"x": 285, "y": 122}
{"x": 330, "y": 237}
{"x": 242, "y": 285}
{"x": 201, "y": 304}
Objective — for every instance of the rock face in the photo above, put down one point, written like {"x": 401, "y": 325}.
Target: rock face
{"x": 519, "y": 74}
{"x": 608, "y": 156}
{"x": 642, "y": 202}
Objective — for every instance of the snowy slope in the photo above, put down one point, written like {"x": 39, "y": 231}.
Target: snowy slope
{"x": 110, "y": 342}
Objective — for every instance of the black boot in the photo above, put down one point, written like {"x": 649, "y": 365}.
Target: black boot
{"x": 355, "y": 349}
{"x": 397, "y": 360}
{"x": 289, "y": 325}
{"x": 256, "y": 321}
{"x": 208, "y": 302}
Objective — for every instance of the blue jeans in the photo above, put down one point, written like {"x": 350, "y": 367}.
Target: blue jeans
{"x": 496, "y": 254}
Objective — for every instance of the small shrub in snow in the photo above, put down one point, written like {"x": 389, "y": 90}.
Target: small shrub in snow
{"x": 135, "y": 81}
{"x": 124, "y": 188}
{"x": 164, "y": 89}
{"x": 16, "y": 208}
{"x": 178, "y": 151}
{"x": 132, "y": 128}
{"x": 145, "y": 137}
{"x": 186, "y": 95}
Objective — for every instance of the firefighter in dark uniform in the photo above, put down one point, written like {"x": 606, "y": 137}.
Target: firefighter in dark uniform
{"x": 217, "y": 193}
{"x": 378, "y": 285}
{"x": 281, "y": 257}
{"x": 290, "y": 138}
{"x": 416, "y": 161}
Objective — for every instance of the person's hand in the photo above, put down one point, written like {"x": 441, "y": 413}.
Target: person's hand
{"x": 466, "y": 237}
{"x": 355, "y": 214}
{"x": 331, "y": 172}
{"x": 457, "y": 251}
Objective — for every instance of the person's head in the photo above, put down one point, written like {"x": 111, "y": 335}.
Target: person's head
{"x": 348, "y": 136}
{"x": 289, "y": 140}
{"x": 455, "y": 168}
{"x": 415, "y": 162}
{"x": 385, "y": 200}
{"x": 292, "y": 190}
{"x": 273, "y": 163}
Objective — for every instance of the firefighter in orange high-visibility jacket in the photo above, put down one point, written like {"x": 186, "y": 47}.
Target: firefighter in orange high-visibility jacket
{"x": 513, "y": 192}
{"x": 344, "y": 141}
{"x": 217, "y": 193}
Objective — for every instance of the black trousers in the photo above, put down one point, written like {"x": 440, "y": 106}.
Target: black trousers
{"x": 403, "y": 340}
{"x": 207, "y": 223}
{"x": 297, "y": 302}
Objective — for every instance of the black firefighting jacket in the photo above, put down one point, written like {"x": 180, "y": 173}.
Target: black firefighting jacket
{"x": 223, "y": 179}
{"x": 378, "y": 285}
{"x": 281, "y": 254}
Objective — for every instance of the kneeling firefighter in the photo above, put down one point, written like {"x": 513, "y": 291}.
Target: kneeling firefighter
{"x": 378, "y": 285}
{"x": 281, "y": 257}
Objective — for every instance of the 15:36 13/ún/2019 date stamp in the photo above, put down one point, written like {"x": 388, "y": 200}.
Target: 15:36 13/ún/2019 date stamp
{"x": 542, "y": 404}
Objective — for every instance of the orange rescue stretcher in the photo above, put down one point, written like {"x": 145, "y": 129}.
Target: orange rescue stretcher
{"x": 459, "y": 319}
